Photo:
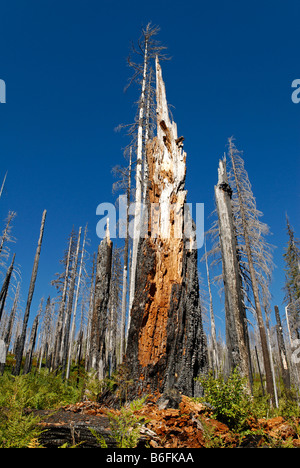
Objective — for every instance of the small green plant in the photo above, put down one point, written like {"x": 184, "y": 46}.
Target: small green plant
{"x": 125, "y": 427}
{"x": 93, "y": 386}
{"x": 100, "y": 439}
{"x": 229, "y": 398}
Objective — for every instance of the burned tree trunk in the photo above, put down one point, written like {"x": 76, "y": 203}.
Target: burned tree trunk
{"x": 21, "y": 342}
{"x": 99, "y": 318}
{"x": 29, "y": 354}
{"x": 166, "y": 344}
{"x": 236, "y": 325}
{"x": 5, "y": 286}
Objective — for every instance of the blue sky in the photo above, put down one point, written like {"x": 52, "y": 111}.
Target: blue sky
{"x": 64, "y": 64}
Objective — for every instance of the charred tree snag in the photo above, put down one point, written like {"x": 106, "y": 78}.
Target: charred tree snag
{"x": 99, "y": 316}
{"x": 236, "y": 323}
{"x": 166, "y": 343}
{"x": 21, "y": 342}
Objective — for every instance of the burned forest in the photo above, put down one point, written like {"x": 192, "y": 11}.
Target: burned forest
{"x": 166, "y": 336}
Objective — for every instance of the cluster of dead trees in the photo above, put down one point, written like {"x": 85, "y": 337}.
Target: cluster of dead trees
{"x": 239, "y": 239}
{"x": 88, "y": 320}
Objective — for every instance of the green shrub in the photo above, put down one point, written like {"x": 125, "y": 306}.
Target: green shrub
{"x": 229, "y": 398}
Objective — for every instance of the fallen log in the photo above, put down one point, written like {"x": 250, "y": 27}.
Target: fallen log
{"x": 71, "y": 429}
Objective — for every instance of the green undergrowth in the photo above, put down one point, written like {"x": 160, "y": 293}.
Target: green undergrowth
{"x": 232, "y": 403}
{"x": 229, "y": 400}
{"x": 18, "y": 427}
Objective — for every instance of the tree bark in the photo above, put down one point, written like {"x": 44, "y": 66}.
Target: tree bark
{"x": 99, "y": 317}
{"x": 125, "y": 268}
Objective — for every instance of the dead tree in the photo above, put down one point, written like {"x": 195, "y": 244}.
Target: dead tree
{"x": 3, "y": 183}
{"x": 21, "y": 341}
{"x": 166, "y": 344}
{"x": 5, "y": 286}
{"x": 124, "y": 183}
{"x": 250, "y": 231}
{"x": 66, "y": 332}
{"x": 99, "y": 318}
{"x": 45, "y": 334}
{"x": 148, "y": 49}
{"x": 285, "y": 372}
{"x": 9, "y": 328}
{"x": 6, "y": 236}
{"x": 215, "y": 353}
{"x": 61, "y": 314}
{"x": 75, "y": 305}
{"x": 114, "y": 309}
{"x": 29, "y": 354}
{"x": 90, "y": 314}
{"x": 236, "y": 323}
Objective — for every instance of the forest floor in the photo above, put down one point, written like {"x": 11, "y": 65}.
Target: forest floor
{"x": 188, "y": 426}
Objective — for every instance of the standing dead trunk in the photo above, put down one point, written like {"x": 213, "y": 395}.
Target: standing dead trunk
{"x": 46, "y": 333}
{"x": 10, "y": 324}
{"x": 215, "y": 357}
{"x": 29, "y": 354}
{"x": 166, "y": 344}
{"x": 60, "y": 320}
{"x": 125, "y": 267}
{"x": 236, "y": 325}
{"x": 5, "y": 286}
{"x": 282, "y": 352}
{"x": 138, "y": 188}
{"x": 90, "y": 313}
{"x": 101, "y": 298}
{"x": 21, "y": 343}
{"x": 254, "y": 283}
{"x": 66, "y": 334}
{"x": 75, "y": 306}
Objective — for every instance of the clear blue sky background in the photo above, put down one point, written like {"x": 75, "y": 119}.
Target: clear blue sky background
{"x": 64, "y": 64}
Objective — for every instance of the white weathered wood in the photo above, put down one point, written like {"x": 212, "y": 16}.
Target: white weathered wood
{"x": 2, "y": 352}
{"x": 138, "y": 189}
{"x": 234, "y": 308}
{"x": 72, "y": 334}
